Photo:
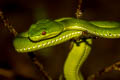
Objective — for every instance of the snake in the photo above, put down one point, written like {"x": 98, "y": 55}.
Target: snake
{"x": 46, "y": 33}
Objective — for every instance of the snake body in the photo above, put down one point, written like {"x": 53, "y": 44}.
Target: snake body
{"x": 94, "y": 27}
{"x": 46, "y": 33}
{"x": 75, "y": 59}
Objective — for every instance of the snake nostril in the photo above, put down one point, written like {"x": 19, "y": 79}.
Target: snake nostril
{"x": 43, "y": 33}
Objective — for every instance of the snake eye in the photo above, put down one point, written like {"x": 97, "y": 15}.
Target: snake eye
{"x": 43, "y": 33}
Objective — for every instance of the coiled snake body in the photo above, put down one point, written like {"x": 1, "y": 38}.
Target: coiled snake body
{"x": 46, "y": 33}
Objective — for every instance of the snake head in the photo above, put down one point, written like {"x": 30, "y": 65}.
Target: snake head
{"x": 44, "y": 29}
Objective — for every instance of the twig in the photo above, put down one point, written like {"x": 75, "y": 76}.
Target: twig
{"x": 7, "y": 25}
{"x": 115, "y": 66}
{"x": 6, "y": 73}
{"x": 78, "y": 11}
{"x": 39, "y": 66}
{"x": 33, "y": 57}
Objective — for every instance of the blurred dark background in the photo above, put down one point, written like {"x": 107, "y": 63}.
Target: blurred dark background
{"x": 22, "y": 13}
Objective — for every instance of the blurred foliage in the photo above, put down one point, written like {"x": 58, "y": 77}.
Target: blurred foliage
{"x": 22, "y": 13}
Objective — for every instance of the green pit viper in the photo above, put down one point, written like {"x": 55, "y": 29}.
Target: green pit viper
{"x": 46, "y": 33}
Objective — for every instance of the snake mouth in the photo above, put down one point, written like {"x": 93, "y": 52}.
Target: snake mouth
{"x": 28, "y": 46}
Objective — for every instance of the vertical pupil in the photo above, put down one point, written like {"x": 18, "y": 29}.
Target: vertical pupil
{"x": 43, "y": 33}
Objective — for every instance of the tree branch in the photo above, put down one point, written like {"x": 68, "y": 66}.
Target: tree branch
{"x": 78, "y": 11}
{"x": 6, "y": 73}
{"x": 115, "y": 66}
{"x": 7, "y": 25}
{"x": 39, "y": 66}
{"x": 33, "y": 56}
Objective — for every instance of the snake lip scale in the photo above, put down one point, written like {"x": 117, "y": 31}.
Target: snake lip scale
{"x": 47, "y": 43}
